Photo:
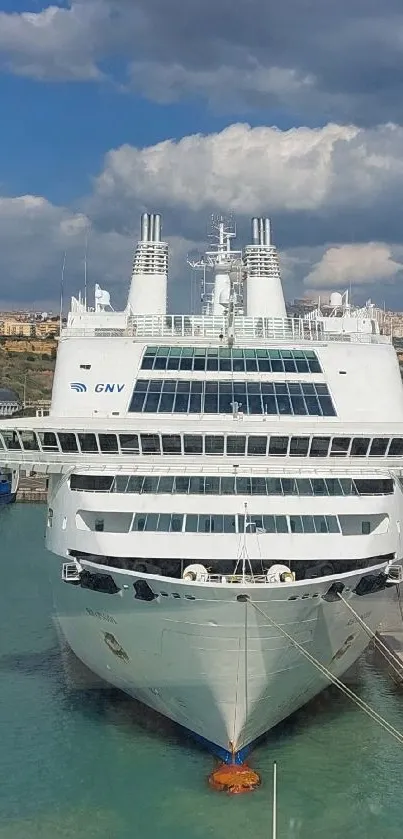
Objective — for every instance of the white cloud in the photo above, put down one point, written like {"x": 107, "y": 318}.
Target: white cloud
{"x": 251, "y": 170}
{"x": 345, "y": 265}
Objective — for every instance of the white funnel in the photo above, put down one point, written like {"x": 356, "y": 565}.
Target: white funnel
{"x": 264, "y": 293}
{"x": 148, "y": 288}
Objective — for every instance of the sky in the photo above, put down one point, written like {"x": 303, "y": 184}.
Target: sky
{"x": 109, "y": 108}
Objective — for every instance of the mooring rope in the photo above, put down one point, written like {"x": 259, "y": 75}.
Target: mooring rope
{"x": 383, "y": 649}
{"x": 332, "y": 678}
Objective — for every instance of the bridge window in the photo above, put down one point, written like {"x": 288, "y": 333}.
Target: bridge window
{"x": 193, "y": 444}
{"x": 11, "y": 439}
{"x": 212, "y": 397}
{"x": 150, "y": 444}
{"x": 359, "y": 446}
{"x": 68, "y": 441}
{"x": 129, "y": 443}
{"x": 396, "y": 447}
{"x": 319, "y": 447}
{"x": 88, "y": 443}
{"x": 231, "y": 485}
{"x": 108, "y": 443}
{"x": 29, "y": 441}
{"x": 231, "y": 360}
{"x": 340, "y": 446}
{"x": 378, "y": 446}
{"x": 299, "y": 446}
{"x": 48, "y": 441}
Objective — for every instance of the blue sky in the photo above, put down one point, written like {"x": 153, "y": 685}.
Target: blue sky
{"x": 110, "y": 107}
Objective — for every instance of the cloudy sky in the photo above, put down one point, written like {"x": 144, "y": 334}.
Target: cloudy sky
{"x": 292, "y": 109}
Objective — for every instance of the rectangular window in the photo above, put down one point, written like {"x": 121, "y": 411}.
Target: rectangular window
{"x": 150, "y": 444}
{"x": 171, "y": 444}
{"x": 236, "y": 444}
{"x": 166, "y": 484}
{"x": 213, "y": 444}
{"x": 227, "y": 486}
{"x": 278, "y": 446}
{"x": 366, "y": 528}
{"x": 48, "y": 441}
{"x": 340, "y": 446}
{"x": 299, "y": 446}
{"x": 68, "y": 442}
{"x": 359, "y": 446}
{"x": 257, "y": 445}
{"x": 284, "y": 398}
{"x": 88, "y": 443}
{"x": 91, "y": 483}
{"x": 319, "y": 447}
{"x": 396, "y": 447}
{"x": 379, "y": 446}
{"x": 129, "y": 443}
{"x": 108, "y": 443}
{"x": 193, "y": 444}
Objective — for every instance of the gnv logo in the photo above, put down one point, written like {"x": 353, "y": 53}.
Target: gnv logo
{"x": 101, "y": 387}
{"x": 108, "y": 388}
{"x": 79, "y": 387}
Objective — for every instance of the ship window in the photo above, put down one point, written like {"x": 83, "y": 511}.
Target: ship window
{"x": 212, "y": 486}
{"x": 257, "y": 445}
{"x": 278, "y": 445}
{"x": 129, "y": 443}
{"x": 235, "y": 359}
{"x": 68, "y": 442}
{"x": 166, "y": 484}
{"x": 308, "y": 524}
{"x": 236, "y": 444}
{"x": 191, "y": 523}
{"x": 348, "y": 486}
{"x": 243, "y": 486}
{"x": 171, "y": 444}
{"x": 213, "y": 444}
{"x": 304, "y": 486}
{"x": 396, "y": 447}
{"x": 193, "y": 444}
{"x": 197, "y": 485}
{"x": 319, "y": 486}
{"x": 11, "y": 439}
{"x": 99, "y": 525}
{"x": 88, "y": 443}
{"x": 299, "y": 446}
{"x": 150, "y": 484}
{"x": 211, "y": 397}
{"x": 120, "y": 483}
{"x": 258, "y": 486}
{"x": 334, "y": 486}
{"x": 182, "y": 485}
{"x": 296, "y": 524}
{"x": 29, "y": 441}
{"x": 108, "y": 443}
{"x": 319, "y": 446}
{"x": 366, "y": 528}
{"x": 340, "y": 446}
{"x": 135, "y": 483}
{"x": 289, "y": 486}
{"x": 91, "y": 483}
{"x": 378, "y": 446}
{"x": 359, "y": 446}
{"x": 48, "y": 441}
{"x": 150, "y": 444}
{"x": 227, "y": 486}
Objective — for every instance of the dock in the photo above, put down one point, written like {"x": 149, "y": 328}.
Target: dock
{"x": 390, "y": 631}
{"x": 32, "y": 490}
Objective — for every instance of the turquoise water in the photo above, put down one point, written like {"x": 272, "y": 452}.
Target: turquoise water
{"x": 80, "y": 760}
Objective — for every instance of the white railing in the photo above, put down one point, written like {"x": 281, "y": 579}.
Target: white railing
{"x": 247, "y": 329}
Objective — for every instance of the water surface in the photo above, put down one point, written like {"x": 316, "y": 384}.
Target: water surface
{"x": 78, "y": 759}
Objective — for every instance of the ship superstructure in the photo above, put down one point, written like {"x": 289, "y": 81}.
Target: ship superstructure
{"x": 201, "y": 466}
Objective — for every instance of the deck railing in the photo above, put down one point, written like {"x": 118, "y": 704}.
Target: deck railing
{"x": 247, "y": 329}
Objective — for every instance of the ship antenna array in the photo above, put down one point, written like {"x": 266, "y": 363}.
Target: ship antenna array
{"x": 221, "y": 233}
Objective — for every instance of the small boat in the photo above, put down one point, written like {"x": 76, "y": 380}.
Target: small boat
{"x": 8, "y": 487}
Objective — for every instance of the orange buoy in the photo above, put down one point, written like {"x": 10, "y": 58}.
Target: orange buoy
{"x": 234, "y": 778}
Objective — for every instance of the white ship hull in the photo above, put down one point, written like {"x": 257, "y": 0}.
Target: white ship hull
{"x": 213, "y": 664}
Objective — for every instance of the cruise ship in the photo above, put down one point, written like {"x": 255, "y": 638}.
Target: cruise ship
{"x": 224, "y": 488}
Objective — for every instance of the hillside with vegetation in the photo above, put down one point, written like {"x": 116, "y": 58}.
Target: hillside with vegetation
{"x": 27, "y": 371}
